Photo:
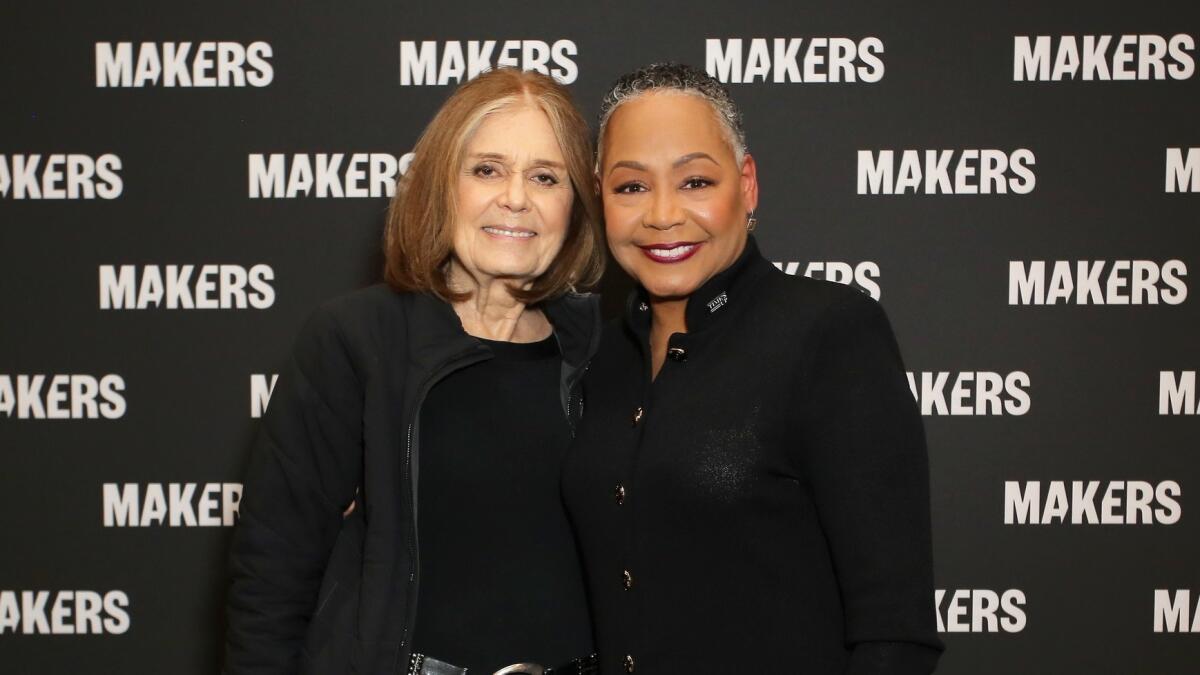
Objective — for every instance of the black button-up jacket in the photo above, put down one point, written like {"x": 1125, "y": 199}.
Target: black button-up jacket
{"x": 762, "y": 506}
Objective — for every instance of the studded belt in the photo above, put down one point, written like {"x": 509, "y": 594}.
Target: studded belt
{"x": 421, "y": 664}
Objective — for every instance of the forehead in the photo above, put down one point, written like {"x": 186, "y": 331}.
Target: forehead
{"x": 517, "y": 130}
{"x": 670, "y": 122}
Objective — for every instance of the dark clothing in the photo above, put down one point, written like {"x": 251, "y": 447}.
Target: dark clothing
{"x": 763, "y": 505}
{"x": 313, "y": 592}
{"x": 500, "y": 573}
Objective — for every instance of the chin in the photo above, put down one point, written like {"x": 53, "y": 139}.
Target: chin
{"x": 514, "y": 277}
{"x": 509, "y": 267}
{"x": 670, "y": 288}
{"x": 678, "y": 280}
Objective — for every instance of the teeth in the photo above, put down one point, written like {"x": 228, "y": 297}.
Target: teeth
{"x": 673, "y": 252}
{"x": 508, "y": 233}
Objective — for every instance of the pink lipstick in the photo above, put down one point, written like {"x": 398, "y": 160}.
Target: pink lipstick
{"x": 671, "y": 252}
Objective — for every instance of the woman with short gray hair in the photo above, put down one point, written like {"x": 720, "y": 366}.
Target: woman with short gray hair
{"x": 749, "y": 485}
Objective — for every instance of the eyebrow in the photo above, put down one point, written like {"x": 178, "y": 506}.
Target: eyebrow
{"x": 628, "y": 164}
{"x": 693, "y": 156}
{"x": 638, "y": 166}
{"x": 501, "y": 158}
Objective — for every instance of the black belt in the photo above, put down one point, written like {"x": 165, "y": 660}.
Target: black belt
{"x": 426, "y": 665}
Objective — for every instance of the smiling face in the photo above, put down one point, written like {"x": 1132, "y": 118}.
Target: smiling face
{"x": 513, "y": 202}
{"x": 675, "y": 198}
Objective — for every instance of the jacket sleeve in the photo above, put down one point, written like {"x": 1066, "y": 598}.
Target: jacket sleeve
{"x": 304, "y": 468}
{"x": 864, "y": 453}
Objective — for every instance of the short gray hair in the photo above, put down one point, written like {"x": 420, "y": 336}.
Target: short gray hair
{"x": 680, "y": 78}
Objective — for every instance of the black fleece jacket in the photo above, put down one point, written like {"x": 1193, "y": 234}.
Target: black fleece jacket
{"x": 313, "y": 592}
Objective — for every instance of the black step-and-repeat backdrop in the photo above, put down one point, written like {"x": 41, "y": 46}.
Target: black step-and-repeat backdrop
{"x": 1019, "y": 186}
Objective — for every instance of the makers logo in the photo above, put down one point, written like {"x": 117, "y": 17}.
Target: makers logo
{"x": 432, "y": 63}
{"x": 1046, "y": 58}
{"x": 62, "y": 397}
{"x": 973, "y": 393}
{"x": 1174, "y": 611}
{"x": 1071, "y": 282}
{"x": 826, "y": 59}
{"x": 323, "y": 175}
{"x": 64, "y": 612}
{"x": 261, "y": 388}
{"x": 171, "y": 504}
{"x": 978, "y": 610}
{"x": 172, "y": 287}
{"x": 175, "y": 64}
{"x": 976, "y": 172}
{"x": 1079, "y": 502}
{"x": 61, "y": 176}
{"x": 1183, "y": 170}
{"x": 1177, "y": 393}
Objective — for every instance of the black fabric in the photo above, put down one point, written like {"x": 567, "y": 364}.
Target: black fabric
{"x": 311, "y": 591}
{"x": 775, "y": 506}
{"x": 427, "y": 665}
{"x": 501, "y": 580}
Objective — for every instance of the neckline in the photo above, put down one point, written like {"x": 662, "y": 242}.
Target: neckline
{"x": 522, "y": 351}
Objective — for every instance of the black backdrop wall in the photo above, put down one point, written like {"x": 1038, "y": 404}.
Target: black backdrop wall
{"x": 1019, "y": 187}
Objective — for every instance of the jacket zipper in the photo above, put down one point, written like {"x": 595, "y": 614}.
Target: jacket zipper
{"x": 452, "y": 365}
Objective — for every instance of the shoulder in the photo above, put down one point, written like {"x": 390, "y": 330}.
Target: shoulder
{"x": 582, "y": 304}
{"x": 576, "y": 320}
{"x": 361, "y": 313}
{"x": 823, "y": 324}
{"x": 364, "y": 303}
{"x": 838, "y": 327}
{"x": 354, "y": 323}
{"x": 579, "y": 312}
{"x": 808, "y": 304}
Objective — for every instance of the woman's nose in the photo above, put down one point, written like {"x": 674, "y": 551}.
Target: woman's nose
{"x": 515, "y": 197}
{"x": 664, "y": 212}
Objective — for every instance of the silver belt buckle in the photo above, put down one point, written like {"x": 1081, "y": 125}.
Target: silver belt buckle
{"x": 522, "y": 669}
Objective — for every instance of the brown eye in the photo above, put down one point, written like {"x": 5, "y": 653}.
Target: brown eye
{"x": 696, "y": 182}
{"x": 629, "y": 188}
{"x": 485, "y": 171}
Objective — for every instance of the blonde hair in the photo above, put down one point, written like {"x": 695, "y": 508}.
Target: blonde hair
{"x": 418, "y": 236}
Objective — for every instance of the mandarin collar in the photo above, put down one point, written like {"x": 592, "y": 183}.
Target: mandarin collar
{"x": 728, "y": 289}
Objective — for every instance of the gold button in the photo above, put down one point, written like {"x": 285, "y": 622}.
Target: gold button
{"x": 628, "y": 663}
{"x": 638, "y": 415}
{"x": 619, "y": 494}
{"x": 677, "y": 354}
